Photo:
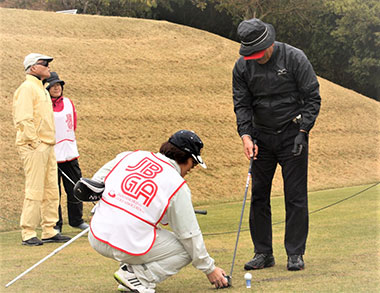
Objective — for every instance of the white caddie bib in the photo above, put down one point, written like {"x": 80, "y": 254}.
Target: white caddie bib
{"x": 66, "y": 145}
{"x": 136, "y": 196}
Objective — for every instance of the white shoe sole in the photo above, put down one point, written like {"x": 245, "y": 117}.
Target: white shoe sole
{"x": 122, "y": 288}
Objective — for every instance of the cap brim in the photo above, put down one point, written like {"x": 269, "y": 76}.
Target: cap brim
{"x": 50, "y": 84}
{"x": 199, "y": 161}
{"x": 47, "y": 58}
{"x": 256, "y": 55}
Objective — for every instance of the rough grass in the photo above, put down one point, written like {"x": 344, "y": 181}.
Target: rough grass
{"x": 134, "y": 82}
{"x": 342, "y": 252}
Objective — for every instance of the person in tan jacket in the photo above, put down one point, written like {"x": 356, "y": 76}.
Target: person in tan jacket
{"x": 35, "y": 140}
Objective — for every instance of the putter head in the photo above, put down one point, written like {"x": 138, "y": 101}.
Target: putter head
{"x": 229, "y": 280}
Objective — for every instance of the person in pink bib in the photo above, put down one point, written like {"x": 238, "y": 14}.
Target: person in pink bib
{"x": 143, "y": 190}
{"x": 66, "y": 151}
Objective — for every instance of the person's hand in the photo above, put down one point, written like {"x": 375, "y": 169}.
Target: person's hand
{"x": 217, "y": 278}
{"x": 34, "y": 144}
{"x": 250, "y": 148}
{"x": 300, "y": 142}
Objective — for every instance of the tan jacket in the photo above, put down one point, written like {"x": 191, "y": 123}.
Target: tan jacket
{"x": 33, "y": 113}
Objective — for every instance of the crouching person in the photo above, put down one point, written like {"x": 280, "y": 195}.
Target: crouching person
{"x": 143, "y": 189}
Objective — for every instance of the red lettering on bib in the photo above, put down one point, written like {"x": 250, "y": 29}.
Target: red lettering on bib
{"x": 69, "y": 121}
{"x": 138, "y": 183}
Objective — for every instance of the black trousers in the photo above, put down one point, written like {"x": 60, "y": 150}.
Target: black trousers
{"x": 74, "y": 207}
{"x": 277, "y": 149}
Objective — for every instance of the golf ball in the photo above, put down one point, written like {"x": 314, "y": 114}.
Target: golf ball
{"x": 248, "y": 278}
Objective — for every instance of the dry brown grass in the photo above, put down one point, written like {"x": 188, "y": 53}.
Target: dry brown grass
{"x": 135, "y": 81}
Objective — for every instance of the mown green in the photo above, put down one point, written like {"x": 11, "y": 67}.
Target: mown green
{"x": 342, "y": 252}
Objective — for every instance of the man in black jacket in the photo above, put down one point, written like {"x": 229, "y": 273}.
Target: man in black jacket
{"x": 276, "y": 102}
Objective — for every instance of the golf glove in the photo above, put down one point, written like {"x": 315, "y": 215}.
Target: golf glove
{"x": 300, "y": 142}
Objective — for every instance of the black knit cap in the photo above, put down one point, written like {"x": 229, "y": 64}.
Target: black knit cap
{"x": 52, "y": 80}
{"x": 255, "y": 35}
{"x": 189, "y": 142}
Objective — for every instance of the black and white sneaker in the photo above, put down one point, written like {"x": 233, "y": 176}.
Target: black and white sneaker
{"x": 122, "y": 288}
{"x": 129, "y": 280}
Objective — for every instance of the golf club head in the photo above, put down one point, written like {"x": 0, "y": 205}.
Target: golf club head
{"x": 229, "y": 280}
{"x": 201, "y": 212}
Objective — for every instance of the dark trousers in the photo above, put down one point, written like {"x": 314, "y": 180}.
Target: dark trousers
{"x": 74, "y": 207}
{"x": 277, "y": 149}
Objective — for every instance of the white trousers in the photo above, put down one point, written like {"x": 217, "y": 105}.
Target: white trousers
{"x": 166, "y": 258}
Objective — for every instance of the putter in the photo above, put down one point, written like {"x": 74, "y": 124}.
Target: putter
{"x": 229, "y": 277}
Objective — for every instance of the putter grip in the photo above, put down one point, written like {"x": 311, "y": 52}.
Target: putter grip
{"x": 250, "y": 166}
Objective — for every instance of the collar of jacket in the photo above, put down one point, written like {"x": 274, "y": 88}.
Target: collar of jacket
{"x": 35, "y": 80}
{"x": 57, "y": 104}
{"x": 170, "y": 161}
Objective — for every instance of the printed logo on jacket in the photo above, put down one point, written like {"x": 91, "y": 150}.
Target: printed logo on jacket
{"x": 139, "y": 184}
{"x": 136, "y": 196}
{"x": 69, "y": 121}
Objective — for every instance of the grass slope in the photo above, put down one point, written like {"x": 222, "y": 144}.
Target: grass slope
{"x": 134, "y": 82}
{"x": 341, "y": 255}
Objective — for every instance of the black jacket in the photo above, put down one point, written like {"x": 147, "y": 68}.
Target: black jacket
{"x": 267, "y": 97}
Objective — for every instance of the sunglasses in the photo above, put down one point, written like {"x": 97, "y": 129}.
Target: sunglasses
{"x": 195, "y": 163}
{"x": 43, "y": 63}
